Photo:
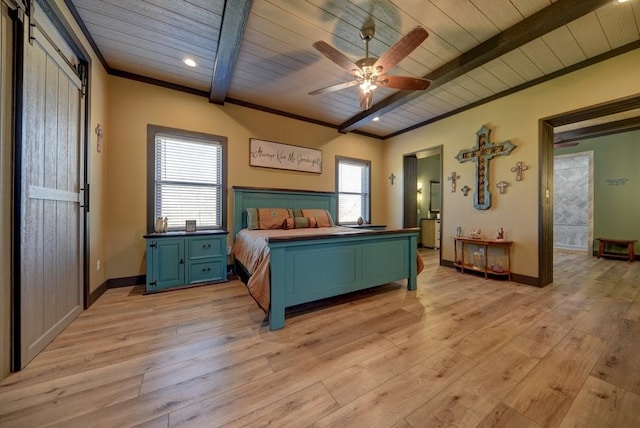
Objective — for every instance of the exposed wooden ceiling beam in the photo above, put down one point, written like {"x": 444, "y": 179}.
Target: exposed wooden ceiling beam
{"x": 548, "y": 19}
{"x": 234, "y": 21}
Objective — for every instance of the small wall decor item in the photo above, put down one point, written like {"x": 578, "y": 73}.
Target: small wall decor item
{"x": 190, "y": 225}
{"x": 465, "y": 190}
{"x": 616, "y": 181}
{"x": 481, "y": 154}
{"x": 392, "y": 177}
{"x": 268, "y": 154}
{"x": 499, "y": 233}
{"x": 100, "y": 134}
{"x": 453, "y": 178}
{"x": 502, "y": 185}
{"x": 519, "y": 169}
{"x": 458, "y": 231}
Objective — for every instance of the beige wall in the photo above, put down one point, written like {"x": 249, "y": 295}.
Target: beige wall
{"x": 513, "y": 118}
{"x": 133, "y": 105}
{"x": 97, "y": 174}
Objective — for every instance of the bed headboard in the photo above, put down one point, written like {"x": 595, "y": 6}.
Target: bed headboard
{"x": 254, "y": 197}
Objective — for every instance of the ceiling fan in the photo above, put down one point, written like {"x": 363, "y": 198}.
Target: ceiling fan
{"x": 370, "y": 72}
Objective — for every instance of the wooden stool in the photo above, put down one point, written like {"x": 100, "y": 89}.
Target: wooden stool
{"x": 621, "y": 242}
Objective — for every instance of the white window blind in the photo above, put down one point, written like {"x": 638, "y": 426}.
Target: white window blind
{"x": 353, "y": 190}
{"x": 188, "y": 181}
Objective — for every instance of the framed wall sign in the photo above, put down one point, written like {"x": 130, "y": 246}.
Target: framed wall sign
{"x": 268, "y": 154}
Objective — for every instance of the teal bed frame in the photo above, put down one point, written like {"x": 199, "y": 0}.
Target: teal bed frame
{"x": 312, "y": 268}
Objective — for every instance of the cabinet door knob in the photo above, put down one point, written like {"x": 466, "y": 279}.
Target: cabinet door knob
{"x": 181, "y": 261}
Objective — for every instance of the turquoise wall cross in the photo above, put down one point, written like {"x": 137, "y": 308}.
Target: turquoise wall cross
{"x": 484, "y": 151}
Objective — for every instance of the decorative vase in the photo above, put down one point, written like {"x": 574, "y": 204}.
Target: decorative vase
{"x": 161, "y": 224}
{"x": 158, "y": 227}
{"x": 360, "y": 220}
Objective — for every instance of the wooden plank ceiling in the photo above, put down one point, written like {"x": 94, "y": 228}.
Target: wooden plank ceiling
{"x": 259, "y": 53}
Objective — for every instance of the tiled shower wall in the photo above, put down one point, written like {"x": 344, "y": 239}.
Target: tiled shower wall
{"x": 573, "y": 201}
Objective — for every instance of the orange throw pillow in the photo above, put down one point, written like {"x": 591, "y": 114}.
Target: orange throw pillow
{"x": 272, "y": 218}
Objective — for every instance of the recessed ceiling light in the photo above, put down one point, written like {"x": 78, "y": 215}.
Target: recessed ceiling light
{"x": 375, "y": 119}
{"x": 190, "y": 62}
{"x": 622, "y": 1}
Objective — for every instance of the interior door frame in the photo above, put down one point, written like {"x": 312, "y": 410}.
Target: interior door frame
{"x": 545, "y": 177}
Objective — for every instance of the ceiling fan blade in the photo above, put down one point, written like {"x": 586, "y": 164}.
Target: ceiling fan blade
{"x": 366, "y": 100}
{"x": 333, "y": 88}
{"x": 336, "y": 56}
{"x": 401, "y": 49}
{"x": 403, "y": 82}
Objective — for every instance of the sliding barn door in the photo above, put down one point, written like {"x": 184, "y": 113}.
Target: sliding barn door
{"x": 51, "y": 216}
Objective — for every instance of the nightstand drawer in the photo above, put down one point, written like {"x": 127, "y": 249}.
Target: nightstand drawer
{"x": 206, "y": 270}
{"x": 206, "y": 247}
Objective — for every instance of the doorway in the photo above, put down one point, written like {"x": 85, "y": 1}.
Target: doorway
{"x": 422, "y": 173}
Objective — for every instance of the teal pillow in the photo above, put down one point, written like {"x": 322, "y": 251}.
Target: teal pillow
{"x": 252, "y": 218}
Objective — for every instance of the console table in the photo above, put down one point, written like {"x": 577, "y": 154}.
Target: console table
{"x": 621, "y": 242}
{"x": 484, "y": 244}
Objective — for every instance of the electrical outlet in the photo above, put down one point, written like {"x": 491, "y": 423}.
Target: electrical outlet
{"x": 98, "y": 265}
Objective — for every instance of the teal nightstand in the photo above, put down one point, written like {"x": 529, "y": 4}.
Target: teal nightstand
{"x": 185, "y": 259}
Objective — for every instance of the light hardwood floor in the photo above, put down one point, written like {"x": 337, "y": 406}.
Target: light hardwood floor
{"x": 461, "y": 351}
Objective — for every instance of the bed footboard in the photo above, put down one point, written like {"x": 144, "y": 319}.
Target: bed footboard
{"x": 305, "y": 271}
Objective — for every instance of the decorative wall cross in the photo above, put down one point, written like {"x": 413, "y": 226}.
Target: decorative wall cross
{"x": 453, "y": 178}
{"x": 392, "y": 177}
{"x": 484, "y": 151}
{"x": 465, "y": 190}
{"x": 519, "y": 169}
{"x": 502, "y": 185}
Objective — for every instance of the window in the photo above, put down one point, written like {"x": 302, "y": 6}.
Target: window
{"x": 353, "y": 186}
{"x": 187, "y": 178}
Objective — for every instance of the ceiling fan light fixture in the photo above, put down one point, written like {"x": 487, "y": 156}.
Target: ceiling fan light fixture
{"x": 367, "y": 86}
